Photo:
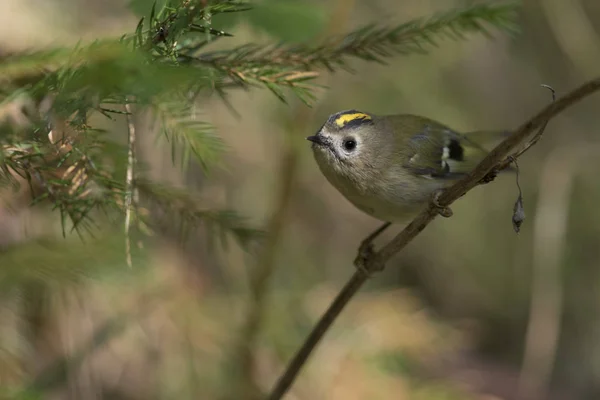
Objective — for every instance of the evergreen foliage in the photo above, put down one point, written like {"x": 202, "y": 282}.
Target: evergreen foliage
{"x": 164, "y": 66}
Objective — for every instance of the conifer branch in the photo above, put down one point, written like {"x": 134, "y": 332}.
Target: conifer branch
{"x": 295, "y": 66}
{"x": 371, "y": 42}
{"x": 187, "y": 136}
{"x": 167, "y": 27}
{"x": 65, "y": 175}
{"x": 178, "y": 205}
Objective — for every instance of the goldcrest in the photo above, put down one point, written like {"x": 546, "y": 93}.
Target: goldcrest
{"x": 390, "y": 166}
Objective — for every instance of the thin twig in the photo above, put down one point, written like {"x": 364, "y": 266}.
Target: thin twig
{"x": 530, "y": 142}
{"x": 343, "y": 297}
{"x": 495, "y": 158}
{"x": 129, "y": 191}
{"x": 518, "y": 209}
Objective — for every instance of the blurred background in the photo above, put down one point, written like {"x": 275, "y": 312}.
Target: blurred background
{"x": 470, "y": 310}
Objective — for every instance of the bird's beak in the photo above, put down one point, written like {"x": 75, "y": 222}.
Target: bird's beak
{"x": 317, "y": 139}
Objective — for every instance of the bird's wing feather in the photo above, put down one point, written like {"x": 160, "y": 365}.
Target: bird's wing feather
{"x": 439, "y": 152}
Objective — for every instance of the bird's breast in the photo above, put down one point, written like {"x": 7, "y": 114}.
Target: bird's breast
{"x": 386, "y": 201}
{"x": 392, "y": 195}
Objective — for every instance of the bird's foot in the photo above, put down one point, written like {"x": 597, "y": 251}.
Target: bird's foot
{"x": 444, "y": 211}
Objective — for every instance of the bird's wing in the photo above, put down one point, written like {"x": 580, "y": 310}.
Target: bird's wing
{"x": 439, "y": 152}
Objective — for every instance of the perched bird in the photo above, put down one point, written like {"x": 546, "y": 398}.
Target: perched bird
{"x": 390, "y": 166}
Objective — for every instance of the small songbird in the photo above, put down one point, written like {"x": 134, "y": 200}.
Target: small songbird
{"x": 390, "y": 166}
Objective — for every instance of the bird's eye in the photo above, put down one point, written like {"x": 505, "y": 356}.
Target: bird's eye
{"x": 349, "y": 144}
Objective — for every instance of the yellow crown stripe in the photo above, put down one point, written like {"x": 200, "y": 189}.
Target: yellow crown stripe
{"x": 344, "y": 119}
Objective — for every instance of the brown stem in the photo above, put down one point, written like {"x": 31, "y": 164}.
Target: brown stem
{"x": 489, "y": 163}
{"x": 343, "y": 297}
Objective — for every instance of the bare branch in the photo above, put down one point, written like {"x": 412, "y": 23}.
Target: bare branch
{"x": 493, "y": 161}
{"x": 130, "y": 195}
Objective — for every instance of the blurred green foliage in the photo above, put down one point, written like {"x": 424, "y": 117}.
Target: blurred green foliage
{"x": 285, "y": 20}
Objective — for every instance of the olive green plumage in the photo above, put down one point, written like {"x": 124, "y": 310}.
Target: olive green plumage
{"x": 389, "y": 166}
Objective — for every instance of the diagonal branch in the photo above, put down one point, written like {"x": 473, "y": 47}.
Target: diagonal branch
{"x": 502, "y": 154}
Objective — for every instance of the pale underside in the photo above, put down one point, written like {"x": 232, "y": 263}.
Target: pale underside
{"x": 395, "y": 202}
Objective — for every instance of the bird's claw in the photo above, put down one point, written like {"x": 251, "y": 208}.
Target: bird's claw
{"x": 365, "y": 261}
{"x": 444, "y": 211}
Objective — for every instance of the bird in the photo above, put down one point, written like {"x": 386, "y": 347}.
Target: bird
{"x": 390, "y": 166}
